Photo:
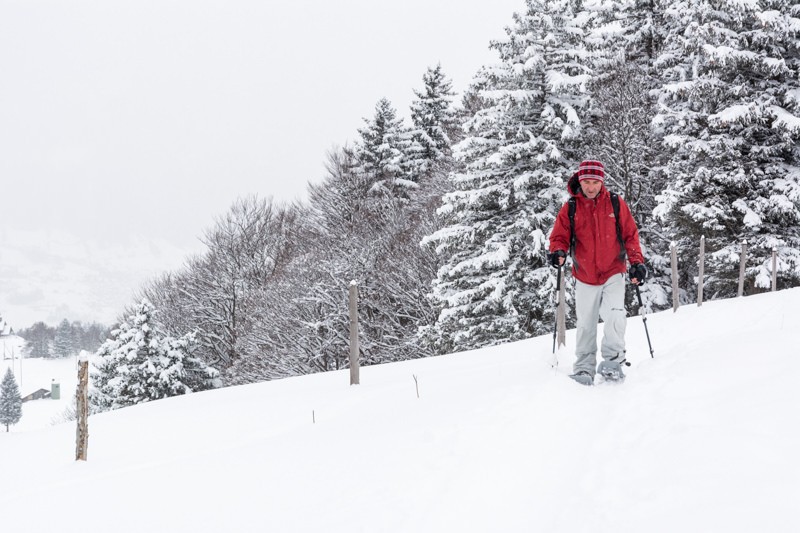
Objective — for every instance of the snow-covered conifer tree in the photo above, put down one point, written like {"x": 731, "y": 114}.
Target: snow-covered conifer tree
{"x": 435, "y": 121}
{"x": 623, "y": 32}
{"x": 178, "y": 371}
{"x": 10, "y": 401}
{"x": 138, "y": 365}
{"x": 64, "y": 341}
{"x": 728, "y": 105}
{"x": 381, "y": 152}
{"x": 495, "y": 285}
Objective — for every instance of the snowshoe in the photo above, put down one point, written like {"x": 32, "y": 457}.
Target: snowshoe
{"x": 611, "y": 371}
{"x": 583, "y": 377}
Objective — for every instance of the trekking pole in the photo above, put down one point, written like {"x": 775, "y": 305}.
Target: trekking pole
{"x": 644, "y": 320}
{"x": 558, "y": 304}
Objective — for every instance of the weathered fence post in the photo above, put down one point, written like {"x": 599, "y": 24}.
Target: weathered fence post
{"x": 354, "y": 348}
{"x": 701, "y": 268}
{"x": 82, "y": 408}
{"x": 674, "y": 254}
{"x": 774, "y": 270}
{"x": 742, "y": 262}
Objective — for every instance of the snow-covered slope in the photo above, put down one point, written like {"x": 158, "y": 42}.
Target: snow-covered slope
{"x": 701, "y": 438}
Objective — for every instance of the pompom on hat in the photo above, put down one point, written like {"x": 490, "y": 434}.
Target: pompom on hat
{"x": 590, "y": 170}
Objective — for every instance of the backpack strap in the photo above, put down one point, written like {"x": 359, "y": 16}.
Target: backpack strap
{"x": 615, "y": 205}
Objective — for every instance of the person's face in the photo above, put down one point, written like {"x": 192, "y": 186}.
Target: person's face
{"x": 591, "y": 188}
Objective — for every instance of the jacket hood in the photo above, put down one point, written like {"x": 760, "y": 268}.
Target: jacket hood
{"x": 574, "y": 188}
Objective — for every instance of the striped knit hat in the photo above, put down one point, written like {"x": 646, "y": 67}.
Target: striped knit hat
{"x": 591, "y": 170}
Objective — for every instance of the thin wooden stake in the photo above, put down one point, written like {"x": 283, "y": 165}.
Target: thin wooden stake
{"x": 416, "y": 383}
{"x": 774, "y": 270}
{"x": 742, "y": 263}
{"x": 675, "y": 300}
{"x": 354, "y": 348}
{"x": 701, "y": 267}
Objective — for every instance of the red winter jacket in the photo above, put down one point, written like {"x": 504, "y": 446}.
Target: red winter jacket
{"x": 597, "y": 250}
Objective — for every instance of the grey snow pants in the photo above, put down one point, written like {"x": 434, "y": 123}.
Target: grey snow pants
{"x": 593, "y": 302}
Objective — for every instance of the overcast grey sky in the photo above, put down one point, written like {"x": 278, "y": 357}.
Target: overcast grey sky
{"x": 129, "y": 125}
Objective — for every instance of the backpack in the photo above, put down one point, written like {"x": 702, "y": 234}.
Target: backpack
{"x": 615, "y": 204}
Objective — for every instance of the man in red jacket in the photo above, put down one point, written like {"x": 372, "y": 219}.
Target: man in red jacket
{"x": 598, "y": 265}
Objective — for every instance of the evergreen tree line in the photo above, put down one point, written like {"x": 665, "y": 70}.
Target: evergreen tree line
{"x": 694, "y": 107}
{"x": 65, "y": 340}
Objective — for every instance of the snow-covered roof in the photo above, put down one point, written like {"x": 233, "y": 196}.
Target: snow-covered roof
{"x": 5, "y": 328}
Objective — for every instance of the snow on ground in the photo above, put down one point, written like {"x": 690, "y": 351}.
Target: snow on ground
{"x": 703, "y": 437}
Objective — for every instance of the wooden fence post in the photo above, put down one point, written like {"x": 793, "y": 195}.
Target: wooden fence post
{"x": 701, "y": 263}
{"x": 82, "y": 408}
{"x": 354, "y": 348}
{"x": 774, "y": 270}
{"x": 674, "y": 254}
{"x": 742, "y": 263}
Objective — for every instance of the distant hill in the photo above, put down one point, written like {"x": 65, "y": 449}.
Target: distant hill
{"x": 49, "y": 276}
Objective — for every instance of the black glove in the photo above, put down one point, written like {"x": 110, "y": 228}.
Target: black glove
{"x": 555, "y": 257}
{"x": 638, "y": 272}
